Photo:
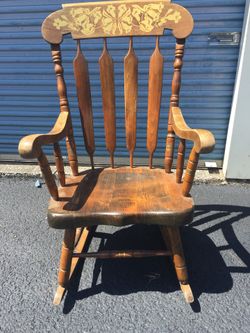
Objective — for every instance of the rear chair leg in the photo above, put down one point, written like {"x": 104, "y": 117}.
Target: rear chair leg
{"x": 173, "y": 234}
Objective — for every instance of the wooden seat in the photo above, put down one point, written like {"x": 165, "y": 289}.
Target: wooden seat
{"x": 124, "y": 195}
{"x": 119, "y": 197}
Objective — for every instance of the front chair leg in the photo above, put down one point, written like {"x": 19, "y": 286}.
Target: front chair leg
{"x": 66, "y": 257}
{"x": 65, "y": 263}
{"x": 174, "y": 237}
{"x": 74, "y": 241}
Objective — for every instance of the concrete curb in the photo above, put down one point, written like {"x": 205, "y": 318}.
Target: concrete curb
{"x": 27, "y": 170}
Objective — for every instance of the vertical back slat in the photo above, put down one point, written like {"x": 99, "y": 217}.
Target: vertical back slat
{"x": 130, "y": 98}
{"x": 180, "y": 160}
{"x": 108, "y": 100}
{"x": 154, "y": 99}
{"x": 64, "y": 106}
{"x": 84, "y": 101}
{"x": 174, "y": 101}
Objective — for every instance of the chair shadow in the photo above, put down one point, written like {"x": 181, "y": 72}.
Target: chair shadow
{"x": 83, "y": 190}
{"x": 226, "y": 226}
{"x": 208, "y": 271}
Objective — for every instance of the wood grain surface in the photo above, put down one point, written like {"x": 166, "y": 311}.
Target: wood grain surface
{"x": 154, "y": 99}
{"x": 120, "y": 196}
{"x": 108, "y": 100}
{"x": 81, "y": 73}
{"x": 130, "y": 98}
{"x": 117, "y": 18}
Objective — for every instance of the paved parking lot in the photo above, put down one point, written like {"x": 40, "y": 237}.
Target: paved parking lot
{"x": 134, "y": 295}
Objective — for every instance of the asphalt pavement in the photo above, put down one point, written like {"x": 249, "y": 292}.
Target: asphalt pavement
{"x": 133, "y": 295}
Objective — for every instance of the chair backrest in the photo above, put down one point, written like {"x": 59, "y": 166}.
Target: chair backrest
{"x": 113, "y": 19}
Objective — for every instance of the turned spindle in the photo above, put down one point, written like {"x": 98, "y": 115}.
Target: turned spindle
{"x": 174, "y": 101}
{"x": 47, "y": 175}
{"x": 64, "y": 106}
{"x": 190, "y": 172}
{"x": 59, "y": 163}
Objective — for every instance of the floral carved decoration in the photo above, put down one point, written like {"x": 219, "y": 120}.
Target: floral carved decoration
{"x": 114, "y": 20}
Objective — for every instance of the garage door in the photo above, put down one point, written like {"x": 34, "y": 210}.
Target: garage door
{"x": 29, "y": 103}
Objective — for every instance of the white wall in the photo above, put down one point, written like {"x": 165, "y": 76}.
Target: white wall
{"x": 236, "y": 163}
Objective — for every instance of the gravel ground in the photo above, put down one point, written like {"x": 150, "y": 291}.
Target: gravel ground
{"x": 137, "y": 295}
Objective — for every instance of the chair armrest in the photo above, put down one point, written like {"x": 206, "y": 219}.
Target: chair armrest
{"x": 204, "y": 141}
{"x": 30, "y": 145}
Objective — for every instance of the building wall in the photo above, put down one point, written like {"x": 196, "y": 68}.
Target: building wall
{"x": 237, "y": 154}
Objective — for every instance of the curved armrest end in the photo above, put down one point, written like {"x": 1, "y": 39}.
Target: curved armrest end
{"x": 30, "y": 145}
{"x": 204, "y": 140}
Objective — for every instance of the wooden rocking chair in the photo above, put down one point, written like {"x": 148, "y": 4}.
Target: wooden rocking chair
{"x": 119, "y": 195}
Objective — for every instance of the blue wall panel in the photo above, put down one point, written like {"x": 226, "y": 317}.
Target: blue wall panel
{"x": 28, "y": 97}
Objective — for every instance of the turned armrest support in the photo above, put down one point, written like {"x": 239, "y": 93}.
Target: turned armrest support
{"x": 203, "y": 143}
{"x": 30, "y": 145}
{"x": 203, "y": 140}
